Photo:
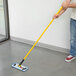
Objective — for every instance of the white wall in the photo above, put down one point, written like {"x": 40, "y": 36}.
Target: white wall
{"x": 2, "y": 21}
{"x": 28, "y": 19}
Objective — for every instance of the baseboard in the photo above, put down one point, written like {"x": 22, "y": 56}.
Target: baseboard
{"x": 2, "y": 35}
{"x": 55, "y": 48}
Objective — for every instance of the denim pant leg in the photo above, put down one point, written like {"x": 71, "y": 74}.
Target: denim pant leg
{"x": 73, "y": 37}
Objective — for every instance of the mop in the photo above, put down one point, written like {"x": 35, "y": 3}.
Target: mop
{"x": 19, "y": 66}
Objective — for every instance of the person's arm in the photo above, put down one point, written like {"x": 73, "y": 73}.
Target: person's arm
{"x": 73, "y": 5}
{"x": 65, "y": 5}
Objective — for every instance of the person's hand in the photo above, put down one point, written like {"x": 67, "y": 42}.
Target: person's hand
{"x": 65, "y": 5}
{"x": 55, "y": 16}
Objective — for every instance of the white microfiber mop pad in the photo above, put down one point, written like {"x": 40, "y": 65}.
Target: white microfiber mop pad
{"x": 22, "y": 68}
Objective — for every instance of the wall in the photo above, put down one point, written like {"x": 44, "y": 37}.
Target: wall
{"x": 2, "y": 21}
{"x": 28, "y": 19}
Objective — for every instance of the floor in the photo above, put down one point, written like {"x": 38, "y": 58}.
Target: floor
{"x": 41, "y": 62}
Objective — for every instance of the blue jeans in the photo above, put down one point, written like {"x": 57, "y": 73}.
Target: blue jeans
{"x": 73, "y": 37}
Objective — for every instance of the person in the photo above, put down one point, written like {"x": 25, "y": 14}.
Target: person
{"x": 70, "y": 4}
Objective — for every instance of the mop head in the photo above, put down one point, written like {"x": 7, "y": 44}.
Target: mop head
{"x": 22, "y": 68}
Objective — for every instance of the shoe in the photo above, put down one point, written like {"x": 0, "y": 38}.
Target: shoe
{"x": 70, "y": 58}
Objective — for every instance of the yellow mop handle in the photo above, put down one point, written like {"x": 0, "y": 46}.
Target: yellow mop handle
{"x": 41, "y": 35}
{"x": 39, "y": 38}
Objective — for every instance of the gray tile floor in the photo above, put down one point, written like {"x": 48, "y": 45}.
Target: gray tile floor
{"x": 41, "y": 62}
